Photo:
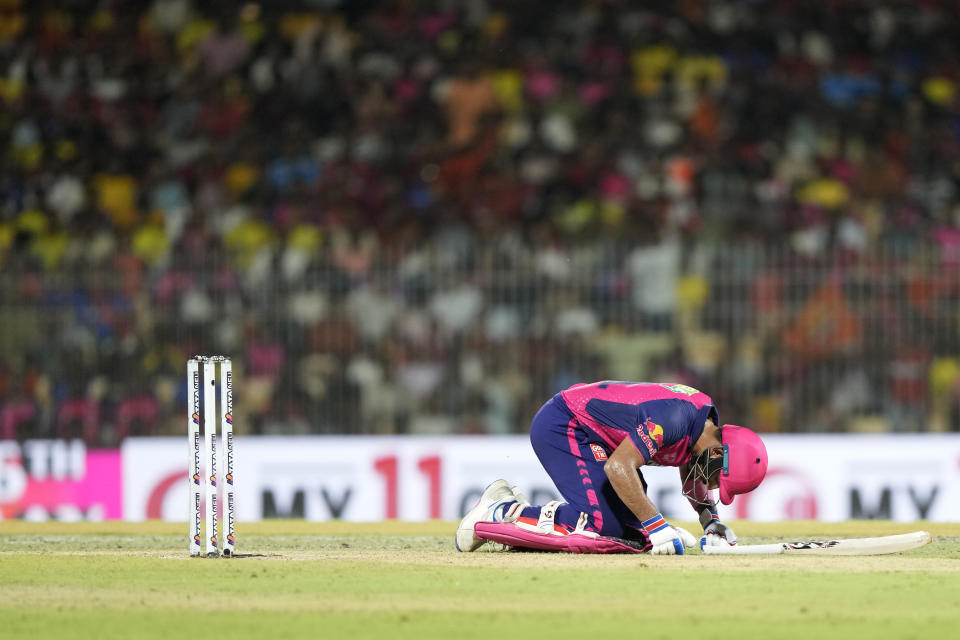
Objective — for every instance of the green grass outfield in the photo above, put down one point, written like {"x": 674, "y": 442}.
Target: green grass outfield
{"x": 405, "y": 580}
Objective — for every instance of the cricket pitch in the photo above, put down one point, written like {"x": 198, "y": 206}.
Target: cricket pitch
{"x": 398, "y": 580}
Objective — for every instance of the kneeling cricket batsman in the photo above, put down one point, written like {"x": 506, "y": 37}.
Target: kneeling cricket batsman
{"x": 592, "y": 440}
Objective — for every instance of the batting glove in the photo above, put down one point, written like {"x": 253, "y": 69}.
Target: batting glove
{"x": 665, "y": 539}
{"x": 715, "y": 533}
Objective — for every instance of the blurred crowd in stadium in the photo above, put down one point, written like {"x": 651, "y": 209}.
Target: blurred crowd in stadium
{"x": 429, "y": 216}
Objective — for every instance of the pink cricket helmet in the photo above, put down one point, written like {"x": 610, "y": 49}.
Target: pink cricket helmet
{"x": 744, "y": 462}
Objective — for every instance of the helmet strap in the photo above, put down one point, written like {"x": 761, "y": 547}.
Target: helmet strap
{"x": 703, "y": 467}
{"x": 694, "y": 484}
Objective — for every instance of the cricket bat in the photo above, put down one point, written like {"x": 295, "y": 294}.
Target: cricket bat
{"x": 843, "y": 547}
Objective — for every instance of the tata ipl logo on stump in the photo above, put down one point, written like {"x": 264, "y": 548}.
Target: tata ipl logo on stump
{"x": 196, "y": 524}
{"x": 213, "y": 536}
{"x": 202, "y": 370}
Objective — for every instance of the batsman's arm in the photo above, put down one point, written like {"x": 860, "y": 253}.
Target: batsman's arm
{"x": 698, "y": 495}
{"x": 621, "y": 468}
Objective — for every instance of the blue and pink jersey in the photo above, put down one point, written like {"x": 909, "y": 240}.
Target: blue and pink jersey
{"x": 662, "y": 420}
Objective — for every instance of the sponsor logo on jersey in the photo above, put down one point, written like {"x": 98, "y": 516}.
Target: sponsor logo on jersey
{"x": 655, "y": 432}
{"x": 645, "y": 439}
{"x": 680, "y": 388}
{"x": 598, "y": 452}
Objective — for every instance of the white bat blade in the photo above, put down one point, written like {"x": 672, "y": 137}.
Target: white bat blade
{"x": 846, "y": 547}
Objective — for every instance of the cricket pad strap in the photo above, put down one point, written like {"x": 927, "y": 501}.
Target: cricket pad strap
{"x": 512, "y": 535}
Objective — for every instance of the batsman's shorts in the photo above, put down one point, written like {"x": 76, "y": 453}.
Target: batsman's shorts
{"x": 576, "y": 467}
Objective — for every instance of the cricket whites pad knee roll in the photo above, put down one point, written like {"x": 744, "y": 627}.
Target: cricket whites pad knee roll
{"x": 510, "y": 534}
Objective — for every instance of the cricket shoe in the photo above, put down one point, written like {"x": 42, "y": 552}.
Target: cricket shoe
{"x": 497, "y": 503}
{"x": 521, "y": 497}
{"x": 522, "y": 502}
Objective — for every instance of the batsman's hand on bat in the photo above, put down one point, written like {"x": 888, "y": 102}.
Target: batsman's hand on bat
{"x": 666, "y": 539}
{"x": 715, "y": 533}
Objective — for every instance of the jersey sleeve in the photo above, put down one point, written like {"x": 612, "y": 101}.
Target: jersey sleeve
{"x": 668, "y": 429}
{"x": 648, "y": 437}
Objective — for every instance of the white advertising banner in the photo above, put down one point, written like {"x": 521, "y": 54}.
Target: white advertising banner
{"x": 370, "y": 478}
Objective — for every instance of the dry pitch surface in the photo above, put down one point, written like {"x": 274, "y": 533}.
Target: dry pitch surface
{"x": 398, "y": 580}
